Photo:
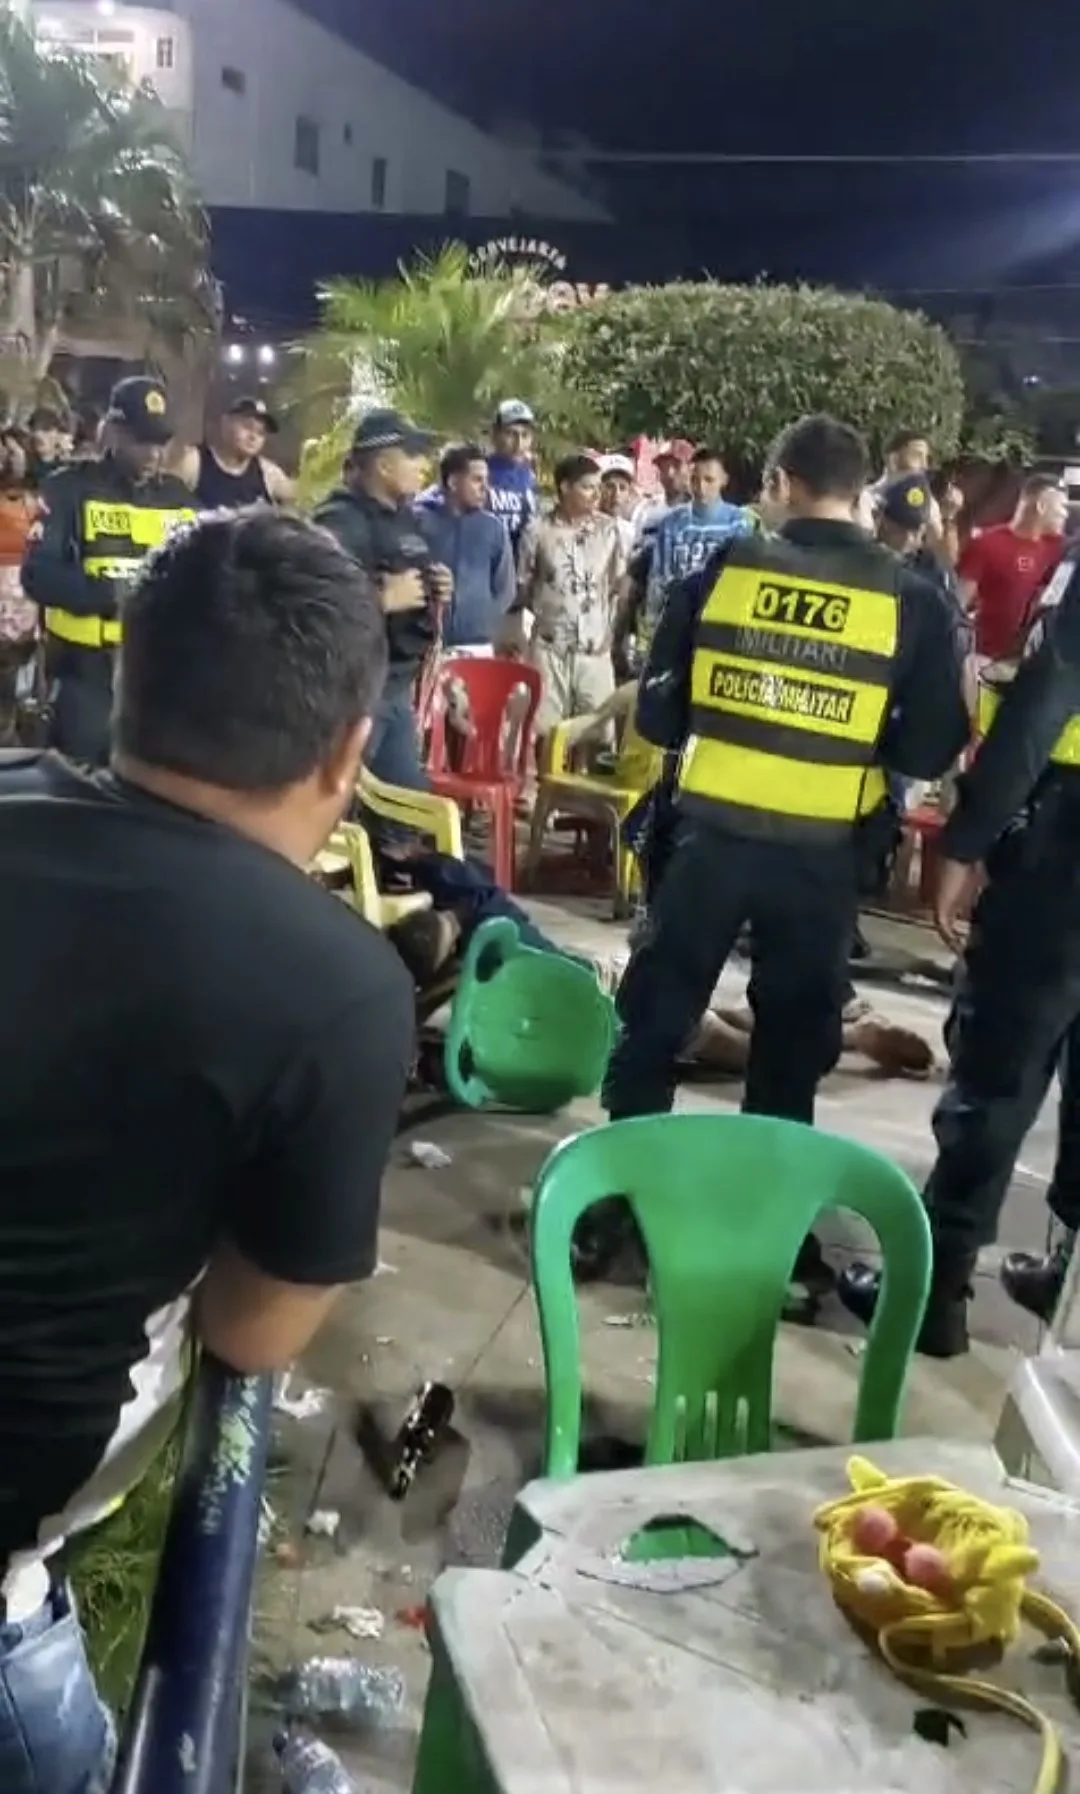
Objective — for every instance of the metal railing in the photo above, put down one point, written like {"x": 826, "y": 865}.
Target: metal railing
{"x": 185, "y": 1727}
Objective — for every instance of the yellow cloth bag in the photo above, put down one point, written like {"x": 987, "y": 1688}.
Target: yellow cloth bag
{"x": 930, "y": 1641}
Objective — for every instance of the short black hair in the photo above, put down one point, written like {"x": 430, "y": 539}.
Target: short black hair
{"x": 252, "y": 644}
{"x": 901, "y": 438}
{"x": 459, "y": 459}
{"x": 827, "y": 457}
{"x": 701, "y": 457}
{"x": 573, "y": 468}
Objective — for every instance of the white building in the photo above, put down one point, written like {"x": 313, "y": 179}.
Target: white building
{"x": 279, "y": 113}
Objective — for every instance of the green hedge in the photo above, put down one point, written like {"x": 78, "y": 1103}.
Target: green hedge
{"x": 733, "y": 365}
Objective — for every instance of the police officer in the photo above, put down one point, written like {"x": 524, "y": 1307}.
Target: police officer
{"x": 1035, "y": 1280}
{"x": 373, "y": 516}
{"x": 904, "y": 511}
{"x": 795, "y": 672}
{"x": 1018, "y": 1005}
{"x": 99, "y": 520}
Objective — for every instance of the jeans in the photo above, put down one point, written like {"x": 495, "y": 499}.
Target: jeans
{"x": 393, "y": 753}
{"x": 56, "y": 1737}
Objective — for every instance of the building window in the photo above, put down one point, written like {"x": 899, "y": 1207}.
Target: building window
{"x": 456, "y": 202}
{"x": 234, "y": 79}
{"x": 306, "y": 148}
{"x": 165, "y": 52}
{"x": 378, "y": 183}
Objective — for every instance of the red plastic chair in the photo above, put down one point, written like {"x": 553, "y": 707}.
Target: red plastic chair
{"x": 496, "y": 751}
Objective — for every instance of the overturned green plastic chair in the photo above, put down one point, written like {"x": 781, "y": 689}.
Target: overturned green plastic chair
{"x": 529, "y": 1030}
{"x": 724, "y": 1202}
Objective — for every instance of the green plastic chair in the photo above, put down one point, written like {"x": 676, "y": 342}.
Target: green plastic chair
{"x": 528, "y": 1030}
{"x": 724, "y": 1202}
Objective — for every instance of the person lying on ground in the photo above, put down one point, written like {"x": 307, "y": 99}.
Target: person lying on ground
{"x": 464, "y": 896}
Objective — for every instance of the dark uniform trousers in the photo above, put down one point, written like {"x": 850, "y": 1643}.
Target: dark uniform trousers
{"x": 82, "y": 689}
{"x": 1015, "y": 1017}
{"x": 801, "y": 903}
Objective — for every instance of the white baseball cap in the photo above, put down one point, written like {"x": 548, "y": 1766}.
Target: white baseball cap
{"x": 618, "y": 464}
{"x": 514, "y": 411}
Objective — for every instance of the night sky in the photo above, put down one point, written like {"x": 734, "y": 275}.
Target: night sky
{"x": 842, "y": 77}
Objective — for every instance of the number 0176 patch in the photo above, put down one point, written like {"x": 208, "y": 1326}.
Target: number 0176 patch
{"x": 801, "y": 605}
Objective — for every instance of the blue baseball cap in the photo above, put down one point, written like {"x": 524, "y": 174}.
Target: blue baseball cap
{"x": 907, "y": 502}
{"x": 141, "y": 405}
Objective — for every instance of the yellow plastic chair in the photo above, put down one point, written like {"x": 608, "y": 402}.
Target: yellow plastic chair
{"x": 382, "y": 909}
{"x": 607, "y": 797}
{"x": 437, "y": 817}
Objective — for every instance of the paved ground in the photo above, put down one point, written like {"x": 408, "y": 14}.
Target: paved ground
{"x": 451, "y": 1303}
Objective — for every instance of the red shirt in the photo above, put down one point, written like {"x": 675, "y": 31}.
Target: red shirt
{"x": 1006, "y": 571}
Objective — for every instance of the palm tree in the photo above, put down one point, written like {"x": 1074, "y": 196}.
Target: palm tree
{"x": 440, "y": 343}
{"x": 96, "y": 205}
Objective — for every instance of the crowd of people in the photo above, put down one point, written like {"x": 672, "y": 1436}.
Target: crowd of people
{"x": 206, "y": 1056}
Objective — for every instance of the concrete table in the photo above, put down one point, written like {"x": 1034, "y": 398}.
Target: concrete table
{"x": 571, "y": 1675}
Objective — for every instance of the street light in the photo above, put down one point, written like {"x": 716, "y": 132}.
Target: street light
{"x": 234, "y": 354}
{"x": 267, "y": 355}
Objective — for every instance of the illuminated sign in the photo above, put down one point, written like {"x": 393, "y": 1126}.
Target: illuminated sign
{"x": 540, "y": 260}
{"x": 504, "y": 251}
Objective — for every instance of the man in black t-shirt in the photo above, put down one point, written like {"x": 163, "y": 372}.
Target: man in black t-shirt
{"x": 204, "y": 1053}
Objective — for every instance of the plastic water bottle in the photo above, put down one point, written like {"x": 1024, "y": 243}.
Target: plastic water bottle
{"x": 310, "y": 1767}
{"x": 343, "y": 1688}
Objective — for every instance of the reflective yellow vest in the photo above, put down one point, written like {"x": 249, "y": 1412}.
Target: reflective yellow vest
{"x": 116, "y": 538}
{"x": 790, "y": 689}
{"x": 995, "y": 681}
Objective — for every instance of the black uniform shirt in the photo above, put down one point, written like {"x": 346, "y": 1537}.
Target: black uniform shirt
{"x": 928, "y": 725}
{"x": 1033, "y": 711}
{"x": 53, "y": 571}
{"x": 199, "y": 1045}
{"x": 386, "y": 539}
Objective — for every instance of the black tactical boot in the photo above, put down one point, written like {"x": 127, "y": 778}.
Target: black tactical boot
{"x": 944, "y": 1331}
{"x": 1034, "y": 1281}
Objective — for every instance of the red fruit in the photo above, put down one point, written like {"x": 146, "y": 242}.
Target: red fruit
{"x": 874, "y": 1532}
{"x": 925, "y": 1567}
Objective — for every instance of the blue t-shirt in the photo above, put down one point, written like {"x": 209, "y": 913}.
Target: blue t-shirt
{"x": 512, "y": 494}
{"x": 684, "y": 539}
